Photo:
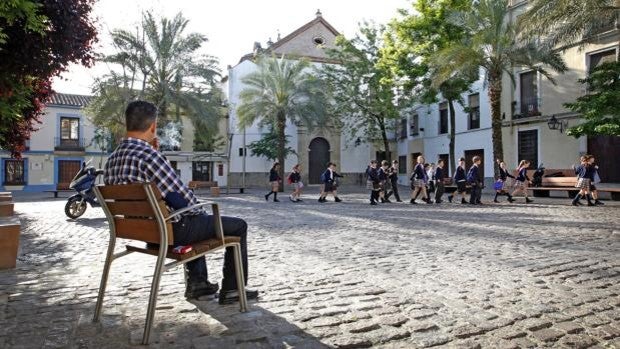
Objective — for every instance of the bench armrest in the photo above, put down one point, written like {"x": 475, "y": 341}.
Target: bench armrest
{"x": 188, "y": 208}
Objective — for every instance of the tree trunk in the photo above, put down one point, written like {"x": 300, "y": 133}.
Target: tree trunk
{"x": 280, "y": 131}
{"x": 452, "y": 158}
{"x": 495, "y": 98}
{"x": 386, "y": 142}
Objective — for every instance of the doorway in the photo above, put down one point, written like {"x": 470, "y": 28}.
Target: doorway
{"x": 319, "y": 157}
{"x": 606, "y": 151}
{"x": 67, "y": 169}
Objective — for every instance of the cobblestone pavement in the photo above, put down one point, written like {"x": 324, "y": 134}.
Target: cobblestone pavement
{"x": 336, "y": 275}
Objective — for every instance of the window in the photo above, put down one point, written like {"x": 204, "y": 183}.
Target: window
{"x": 402, "y": 164}
{"x": 474, "y": 112}
{"x": 527, "y": 145}
{"x": 69, "y": 128}
{"x": 443, "y": 118}
{"x": 529, "y": 94}
{"x": 319, "y": 40}
{"x": 242, "y": 152}
{"x": 403, "y": 128}
{"x": 14, "y": 172}
{"x": 596, "y": 59}
{"x": 202, "y": 171}
{"x": 414, "y": 127}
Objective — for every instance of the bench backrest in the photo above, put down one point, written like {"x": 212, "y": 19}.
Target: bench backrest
{"x": 136, "y": 211}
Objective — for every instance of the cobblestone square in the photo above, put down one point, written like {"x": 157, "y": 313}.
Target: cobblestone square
{"x": 335, "y": 275}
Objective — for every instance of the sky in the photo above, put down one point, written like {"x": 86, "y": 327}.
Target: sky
{"x": 231, "y": 26}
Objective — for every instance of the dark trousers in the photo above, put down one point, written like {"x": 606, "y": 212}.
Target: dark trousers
{"x": 374, "y": 195}
{"x": 196, "y": 228}
{"x": 395, "y": 190}
{"x": 439, "y": 190}
{"x": 476, "y": 193}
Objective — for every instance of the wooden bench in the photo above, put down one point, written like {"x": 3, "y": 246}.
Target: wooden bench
{"x": 564, "y": 180}
{"x": 241, "y": 190}
{"x": 138, "y": 212}
{"x": 60, "y": 188}
{"x": 201, "y": 184}
{"x": 9, "y": 241}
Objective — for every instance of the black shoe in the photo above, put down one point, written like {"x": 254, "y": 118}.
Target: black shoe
{"x": 337, "y": 199}
{"x": 429, "y": 201}
{"x": 299, "y": 200}
{"x": 399, "y": 200}
{"x": 276, "y": 200}
{"x": 600, "y": 203}
{"x": 438, "y": 201}
{"x": 373, "y": 203}
{"x": 231, "y": 296}
{"x": 450, "y": 198}
{"x": 195, "y": 290}
{"x": 510, "y": 199}
{"x": 463, "y": 201}
{"x": 495, "y": 201}
{"x": 267, "y": 197}
{"x": 383, "y": 201}
{"x": 412, "y": 201}
{"x": 528, "y": 201}
{"x": 321, "y": 200}
{"x": 590, "y": 203}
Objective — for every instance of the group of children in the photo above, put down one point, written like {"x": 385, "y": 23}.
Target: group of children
{"x": 382, "y": 181}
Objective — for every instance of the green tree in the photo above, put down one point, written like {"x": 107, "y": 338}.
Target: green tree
{"x": 363, "y": 90}
{"x": 600, "y": 106}
{"x": 25, "y": 11}
{"x": 161, "y": 63}
{"x": 280, "y": 90}
{"x": 493, "y": 44}
{"x": 267, "y": 146}
{"x": 411, "y": 45}
{"x": 566, "y": 22}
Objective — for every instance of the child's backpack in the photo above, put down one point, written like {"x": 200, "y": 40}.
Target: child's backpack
{"x": 324, "y": 177}
{"x": 470, "y": 176}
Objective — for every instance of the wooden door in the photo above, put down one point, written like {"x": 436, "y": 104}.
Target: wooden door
{"x": 67, "y": 169}
{"x": 606, "y": 151}
{"x": 319, "y": 157}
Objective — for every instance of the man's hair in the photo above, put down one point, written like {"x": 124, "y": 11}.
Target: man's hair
{"x": 462, "y": 159}
{"x": 139, "y": 115}
{"x": 475, "y": 158}
{"x": 330, "y": 164}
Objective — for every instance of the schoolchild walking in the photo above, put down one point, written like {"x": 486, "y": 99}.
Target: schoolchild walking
{"x": 439, "y": 177}
{"x": 330, "y": 178}
{"x": 585, "y": 173}
{"x": 394, "y": 180}
{"x": 595, "y": 179}
{"x": 461, "y": 182}
{"x": 274, "y": 182}
{"x": 373, "y": 183}
{"x": 419, "y": 179}
{"x": 294, "y": 179}
{"x": 522, "y": 181}
{"x": 430, "y": 174}
{"x": 386, "y": 184}
{"x": 476, "y": 181}
{"x": 503, "y": 184}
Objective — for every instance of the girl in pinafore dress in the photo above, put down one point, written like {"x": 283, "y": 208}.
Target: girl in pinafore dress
{"x": 294, "y": 179}
{"x": 585, "y": 173}
{"x": 522, "y": 180}
{"x": 419, "y": 179}
{"x": 274, "y": 182}
{"x": 505, "y": 183}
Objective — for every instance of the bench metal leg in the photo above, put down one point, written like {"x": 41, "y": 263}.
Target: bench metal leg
{"x": 243, "y": 300}
{"x": 150, "y": 313}
{"x": 104, "y": 277}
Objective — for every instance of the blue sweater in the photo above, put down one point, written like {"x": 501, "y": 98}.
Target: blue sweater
{"x": 460, "y": 174}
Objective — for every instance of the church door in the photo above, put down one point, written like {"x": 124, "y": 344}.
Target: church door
{"x": 319, "y": 157}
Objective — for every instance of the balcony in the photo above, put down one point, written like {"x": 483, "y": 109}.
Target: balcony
{"x": 528, "y": 108}
{"x": 73, "y": 145}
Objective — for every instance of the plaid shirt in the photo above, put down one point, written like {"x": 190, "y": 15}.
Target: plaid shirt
{"x": 134, "y": 160}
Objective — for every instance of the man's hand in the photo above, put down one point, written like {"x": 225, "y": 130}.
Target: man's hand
{"x": 154, "y": 143}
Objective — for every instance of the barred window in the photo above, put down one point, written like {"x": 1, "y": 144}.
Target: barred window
{"x": 14, "y": 172}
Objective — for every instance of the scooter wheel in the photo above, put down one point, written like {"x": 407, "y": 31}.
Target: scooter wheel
{"x": 75, "y": 207}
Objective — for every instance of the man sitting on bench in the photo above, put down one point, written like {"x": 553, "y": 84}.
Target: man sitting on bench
{"x": 137, "y": 159}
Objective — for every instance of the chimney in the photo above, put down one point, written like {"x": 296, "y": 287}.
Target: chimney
{"x": 318, "y": 13}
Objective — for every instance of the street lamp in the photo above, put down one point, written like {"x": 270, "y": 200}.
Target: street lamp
{"x": 555, "y": 124}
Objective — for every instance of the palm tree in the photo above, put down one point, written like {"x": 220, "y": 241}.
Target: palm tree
{"x": 278, "y": 91}
{"x": 162, "y": 63}
{"x": 492, "y": 44}
{"x": 566, "y": 22}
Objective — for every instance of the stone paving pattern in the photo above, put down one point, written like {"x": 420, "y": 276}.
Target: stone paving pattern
{"x": 336, "y": 275}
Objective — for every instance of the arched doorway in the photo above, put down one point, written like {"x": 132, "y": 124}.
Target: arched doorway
{"x": 319, "y": 157}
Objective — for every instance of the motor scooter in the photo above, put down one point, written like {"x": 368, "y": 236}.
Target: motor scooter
{"x": 83, "y": 183}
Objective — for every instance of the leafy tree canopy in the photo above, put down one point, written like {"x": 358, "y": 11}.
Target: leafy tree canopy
{"x": 599, "y": 107}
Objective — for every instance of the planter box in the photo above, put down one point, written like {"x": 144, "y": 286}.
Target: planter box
{"x": 215, "y": 191}
{"x": 6, "y": 209}
{"x": 9, "y": 242}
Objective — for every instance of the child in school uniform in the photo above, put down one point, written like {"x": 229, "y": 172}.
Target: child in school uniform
{"x": 461, "y": 182}
{"x": 394, "y": 180}
{"x": 294, "y": 179}
{"x": 386, "y": 184}
{"x": 585, "y": 174}
{"x": 419, "y": 180}
{"x": 475, "y": 179}
{"x": 522, "y": 180}
{"x": 594, "y": 180}
{"x": 439, "y": 177}
{"x": 274, "y": 182}
{"x": 331, "y": 185}
{"x": 373, "y": 182}
{"x": 504, "y": 174}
